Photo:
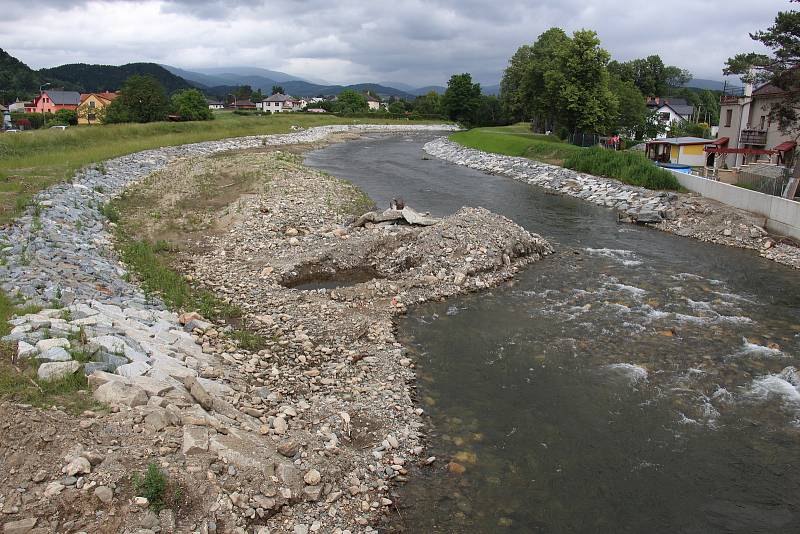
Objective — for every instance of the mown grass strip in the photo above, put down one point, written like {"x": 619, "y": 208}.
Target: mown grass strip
{"x": 628, "y": 167}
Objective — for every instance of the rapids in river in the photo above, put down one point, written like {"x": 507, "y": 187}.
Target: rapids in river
{"x": 634, "y": 381}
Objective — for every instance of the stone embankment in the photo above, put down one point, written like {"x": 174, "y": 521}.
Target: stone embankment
{"x": 305, "y": 435}
{"x": 687, "y": 215}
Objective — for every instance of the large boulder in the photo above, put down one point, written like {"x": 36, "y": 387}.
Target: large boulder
{"x": 57, "y": 370}
{"x": 118, "y": 392}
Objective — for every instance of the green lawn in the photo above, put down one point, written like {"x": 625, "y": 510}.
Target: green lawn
{"x": 31, "y": 161}
{"x": 517, "y": 140}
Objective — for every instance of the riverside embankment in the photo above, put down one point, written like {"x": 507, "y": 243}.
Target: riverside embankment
{"x": 299, "y": 424}
{"x": 682, "y": 214}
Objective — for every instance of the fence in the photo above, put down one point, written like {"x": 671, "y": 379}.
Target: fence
{"x": 770, "y": 185}
{"x": 584, "y": 139}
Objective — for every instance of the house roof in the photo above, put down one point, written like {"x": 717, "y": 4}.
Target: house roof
{"x": 683, "y": 111}
{"x": 214, "y": 102}
{"x": 64, "y": 98}
{"x": 278, "y": 97}
{"x": 3, "y": 108}
{"x": 371, "y": 98}
{"x": 104, "y": 96}
{"x": 682, "y": 141}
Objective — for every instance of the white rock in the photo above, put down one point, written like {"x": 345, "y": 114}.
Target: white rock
{"x": 25, "y": 350}
{"x": 56, "y": 370}
{"x": 131, "y": 370}
{"x": 45, "y": 344}
{"x": 78, "y": 466}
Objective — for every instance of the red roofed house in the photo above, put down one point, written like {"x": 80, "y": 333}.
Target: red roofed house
{"x": 52, "y": 101}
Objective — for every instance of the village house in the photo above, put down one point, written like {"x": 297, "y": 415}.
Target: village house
{"x": 215, "y": 104}
{"x": 52, "y": 101}
{"x": 17, "y": 105}
{"x": 242, "y": 104}
{"x": 279, "y": 103}
{"x": 669, "y": 111}
{"x": 746, "y": 133}
{"x": 92, "y": 107}
{"x": 373, "y": 103}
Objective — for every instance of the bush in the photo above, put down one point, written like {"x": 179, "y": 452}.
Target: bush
{"x": 629, "y": 167}
{"x": 191, "y": 105}
{"x": 64, "y": 117}
{"x": 28, "y": 120}
{"x": 152, "y": 485}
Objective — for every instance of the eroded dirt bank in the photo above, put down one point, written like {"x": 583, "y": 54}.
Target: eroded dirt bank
{"x": 302, "y": 425}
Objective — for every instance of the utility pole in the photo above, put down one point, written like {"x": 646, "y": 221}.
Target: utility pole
{"x": 41, "y": 88}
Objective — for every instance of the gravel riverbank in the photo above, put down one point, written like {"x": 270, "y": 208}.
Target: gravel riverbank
{"x": 303, "y": 435}
{"x": 687, "y": 215}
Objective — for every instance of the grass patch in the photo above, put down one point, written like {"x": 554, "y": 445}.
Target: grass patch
{"x": 628, "y": 167}
{"x": 19, "y": 381}
{"x": 248, "y": 340}
{"x": 154, "y": 485}
{"x": 150, "y": 261}
{"x": 32, "y": 161}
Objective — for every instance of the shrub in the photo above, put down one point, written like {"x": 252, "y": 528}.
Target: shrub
{"x": 191, "y": 105}
{"x": 152, "y": 484}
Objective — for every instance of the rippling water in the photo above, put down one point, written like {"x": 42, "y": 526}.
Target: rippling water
{"x": 633, "y": 382}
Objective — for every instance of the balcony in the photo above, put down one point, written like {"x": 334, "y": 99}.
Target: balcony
{"x": 752, "y": 136}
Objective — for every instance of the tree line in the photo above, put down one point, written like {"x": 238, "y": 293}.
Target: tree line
{"x": 568, "y": 83}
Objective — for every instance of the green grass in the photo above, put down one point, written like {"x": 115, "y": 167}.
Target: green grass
{"x": 18, "y": 379}
{"x": 150, "y": 262}
{"x": 517, "y": 140}
{"x": 31, "y": 161}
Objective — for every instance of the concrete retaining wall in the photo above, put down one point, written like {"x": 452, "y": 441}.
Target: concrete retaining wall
{"x": 783, "y": 215}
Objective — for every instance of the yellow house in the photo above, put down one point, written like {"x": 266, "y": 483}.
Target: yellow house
{"x": 678, "y": 150}
{"x": 92, "y": 107}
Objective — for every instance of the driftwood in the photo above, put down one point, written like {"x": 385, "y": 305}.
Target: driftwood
{"x": 405, "y": 215}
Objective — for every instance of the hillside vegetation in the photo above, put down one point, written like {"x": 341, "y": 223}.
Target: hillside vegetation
{"x": 95, "y": 78}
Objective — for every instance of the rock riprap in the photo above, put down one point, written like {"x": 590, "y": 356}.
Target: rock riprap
{"x": 165, "y": 377}
{"x": 688, "y": 215}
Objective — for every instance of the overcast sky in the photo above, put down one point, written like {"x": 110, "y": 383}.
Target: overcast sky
{"x": 344, "y": 41}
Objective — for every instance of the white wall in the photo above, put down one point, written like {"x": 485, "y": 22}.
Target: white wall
{"x": 783, "y": 215}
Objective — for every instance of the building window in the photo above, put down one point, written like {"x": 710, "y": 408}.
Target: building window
{"x": 728, "y": 117}
{"x": 91, "y": 104}
{"x": 663, "y": 116}
{"x": 761, "y": 122}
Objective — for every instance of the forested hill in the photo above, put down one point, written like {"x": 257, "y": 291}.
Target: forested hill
{"x": 17, "y": 80}
{"x": 94, "y": 78}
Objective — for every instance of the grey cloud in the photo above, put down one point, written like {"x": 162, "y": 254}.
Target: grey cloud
{"x": 414, "y": 41}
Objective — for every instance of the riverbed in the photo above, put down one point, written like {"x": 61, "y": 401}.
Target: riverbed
{"x": 633, "y": 382}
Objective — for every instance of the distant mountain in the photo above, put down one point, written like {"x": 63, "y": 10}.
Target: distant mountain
{"x": 93, "y": 78}
{"x": 227, "y": 72}
{"x": 700, "y": 83}
{"x": 427, "y": 89}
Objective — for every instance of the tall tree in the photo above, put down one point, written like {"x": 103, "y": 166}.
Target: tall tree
{"x": 461, "y": 98}
{"x": 779, "y": 68}
{"x": 587, "y": 103}
{"x": 428, "y": 104}
{"x": 277, "y": 90}
{"x": 142, "y": 99}
{"x": 350, "y": 101}
{"x": 632, "y": 107}
{"x": 650, "y": 75}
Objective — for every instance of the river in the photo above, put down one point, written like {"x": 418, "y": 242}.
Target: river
{"x": 629, "y": 383}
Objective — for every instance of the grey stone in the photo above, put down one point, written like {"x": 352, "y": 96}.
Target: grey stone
{"x": 56, "y": 370}
{"x": 115, "y": 392}
{"x": 195, "y": 440}
{"x": 55, "y": 354}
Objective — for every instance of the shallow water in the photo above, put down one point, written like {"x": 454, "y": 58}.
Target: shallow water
{"x": 629, "y": 383}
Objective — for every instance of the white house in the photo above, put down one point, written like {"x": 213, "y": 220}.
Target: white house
{"x": 278, "y": 103}
{"x": 18, "y": 105}
{"x": 373, "y": 103}
{"x": 670, "y": 110}
{"x": 215, "y": 104}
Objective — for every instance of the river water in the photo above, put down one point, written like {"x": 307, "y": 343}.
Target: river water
{"x": 629, "y": 383}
